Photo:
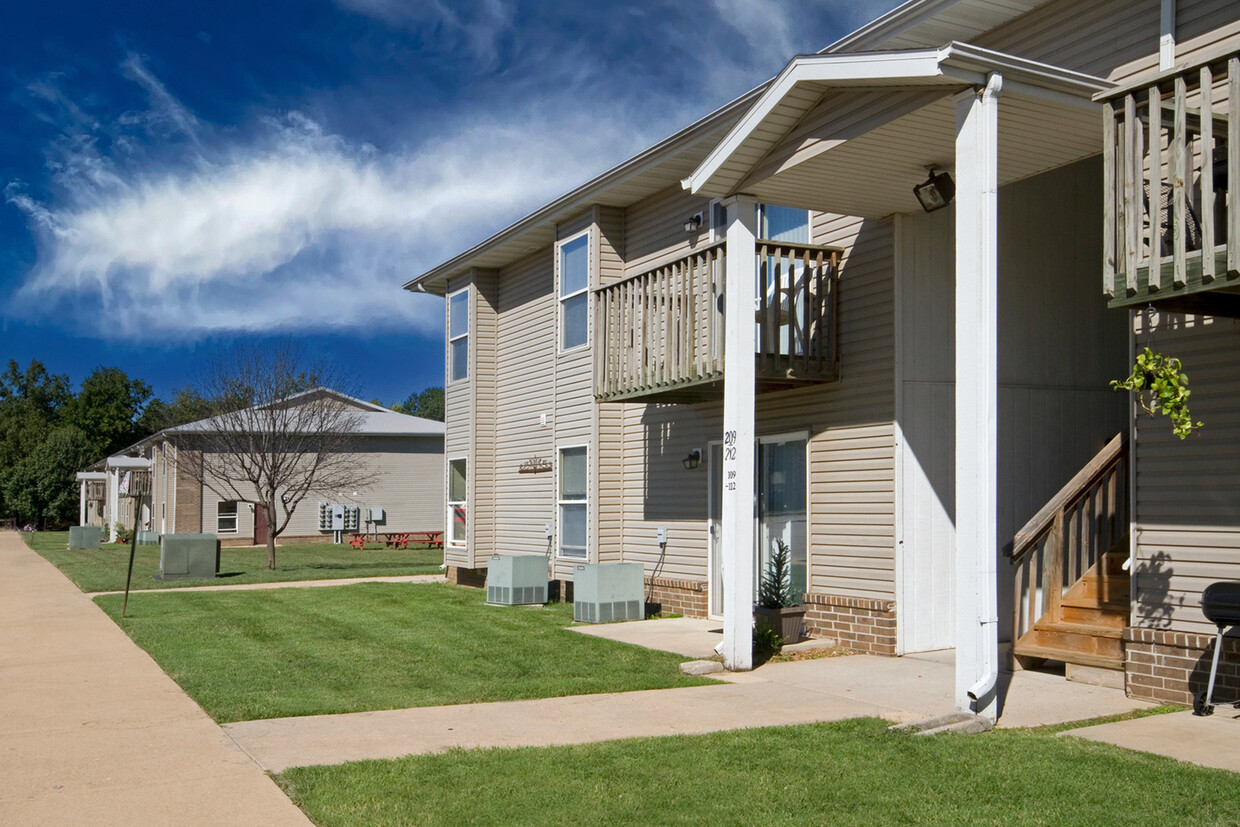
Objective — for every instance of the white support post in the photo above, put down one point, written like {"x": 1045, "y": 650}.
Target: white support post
{"x": 82, "y": 503}
{"x": 739, "y": 483}
{"x": 114, "y": 502}
{"x": 977, "y": 268}
{"x": 1166, "y": 35}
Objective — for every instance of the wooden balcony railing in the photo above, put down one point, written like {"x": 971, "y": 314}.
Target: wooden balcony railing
{"x": 1069, "y": 535}
{"x": 661, "y": 332}
{"x": 1171, "y": 155}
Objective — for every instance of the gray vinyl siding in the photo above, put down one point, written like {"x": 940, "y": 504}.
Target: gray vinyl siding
{"x": 607, "y": 459}
{"x": 655, "y": 228}
{"x": 407, "y": 481}
{"x": 483, "y": 530}
{"x": 459, "y": 418}
{"x": 525, "y": 381}
{"x": 1188, "y": 532}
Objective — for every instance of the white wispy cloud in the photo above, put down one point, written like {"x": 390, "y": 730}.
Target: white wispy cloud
{"x": 477, "y": 25}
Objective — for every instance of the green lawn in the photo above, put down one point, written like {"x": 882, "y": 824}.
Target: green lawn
{"x": 104, "y": 570}
{"x": 266, "y": 654}
{"x": 849, "y": 773}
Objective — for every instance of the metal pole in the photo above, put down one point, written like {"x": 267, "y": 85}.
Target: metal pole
{"x": 133, "y": 547}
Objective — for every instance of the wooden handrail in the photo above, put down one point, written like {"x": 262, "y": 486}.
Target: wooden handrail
{"x": 1078, "y": 486}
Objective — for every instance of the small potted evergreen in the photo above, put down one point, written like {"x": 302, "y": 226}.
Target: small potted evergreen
{"x": 778, "y": 608}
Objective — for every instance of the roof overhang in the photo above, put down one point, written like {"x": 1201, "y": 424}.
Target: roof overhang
{"x": 922, "y": 23}
{"x": 90, "y": 476}
{"x": 852, "y": 133}
{"x": 124, "y": 462}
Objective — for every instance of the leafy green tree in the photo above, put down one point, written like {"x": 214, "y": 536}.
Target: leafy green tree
{"x": 187, "y": 405}
{"x": 42, "y": 488}
{"x": 107, "y": 409}
{"x": 428, "y": 404}
{"x": 30, "y": 407}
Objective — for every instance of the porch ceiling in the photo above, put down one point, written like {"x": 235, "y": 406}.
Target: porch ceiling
{"x": 826, "y": 136}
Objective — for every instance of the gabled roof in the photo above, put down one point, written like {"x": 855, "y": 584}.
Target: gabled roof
{"x": 802, "y": 84}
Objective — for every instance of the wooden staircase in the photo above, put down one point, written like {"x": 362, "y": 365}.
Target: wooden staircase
{"x": 1072, "y": 592}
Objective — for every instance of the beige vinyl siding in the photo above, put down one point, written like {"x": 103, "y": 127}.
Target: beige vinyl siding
{"x": 606, "y": 461}
{"x": 1058, "y": 348}
{"x": 1188, "y": 528}
{"x": 481, "y": 504}
{"x": 655, "y": 228}
{"x": 1115, "y": 39}
{"x": 459, "y": 418}
{"x": 525, "y": 391}
{"x": 850, "y": 443}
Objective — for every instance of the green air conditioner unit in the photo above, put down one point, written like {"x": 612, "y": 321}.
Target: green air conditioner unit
{"x": 608, "y": 592}
{"x": 188, "y": 557}
{"x": 84, "y": 537}
{"x": 516, "y": 579}
{"x": 148, "y": 538}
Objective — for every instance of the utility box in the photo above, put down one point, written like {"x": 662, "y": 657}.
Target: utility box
{"x": 376, "y": 514}
{"x": 608, "y": 592}
{"x": 188, "y": 557}
{"x": 148, "y": 538}
{"x": 82, "y": 537}
{"x": 516, "y": 579}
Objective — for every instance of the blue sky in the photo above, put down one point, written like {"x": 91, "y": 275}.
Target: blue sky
{"x": 178, "y": 176}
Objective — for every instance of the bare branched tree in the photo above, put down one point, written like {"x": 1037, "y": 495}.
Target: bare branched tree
{"x": 275, "y": 435}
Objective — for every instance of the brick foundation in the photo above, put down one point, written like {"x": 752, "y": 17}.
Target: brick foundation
{"x": 680, "y": 597}
{"x": 477, "y": 578}
{"x": 1173, "y": 666}
{"x": 861, "y": 624}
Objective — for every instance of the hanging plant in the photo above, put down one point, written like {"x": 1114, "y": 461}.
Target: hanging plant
{"x": 1161, "y": 387}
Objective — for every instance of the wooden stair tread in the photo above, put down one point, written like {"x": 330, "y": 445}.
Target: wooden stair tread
{"x": 1077, "y": 628}
{"x": 1028, "y": 650}
{"x": 1116, "y": 606}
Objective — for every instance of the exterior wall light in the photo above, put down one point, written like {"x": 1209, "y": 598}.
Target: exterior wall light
{"x": 937, "y": 191}
{"x": 693, "y": 460}
{"x": 693, "y": 223}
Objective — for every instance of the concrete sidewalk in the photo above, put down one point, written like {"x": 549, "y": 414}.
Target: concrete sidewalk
{"x": 798, "y": 692}
{"x": 93, "y": 732}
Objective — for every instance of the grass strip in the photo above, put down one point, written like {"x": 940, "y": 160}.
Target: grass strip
{"x": 848, "y": 773}
{"x": 104, "y": 570}
{"x": 286, "y": 652}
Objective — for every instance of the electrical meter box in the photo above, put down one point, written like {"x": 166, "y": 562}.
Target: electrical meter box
{"x": 376, "y": 514}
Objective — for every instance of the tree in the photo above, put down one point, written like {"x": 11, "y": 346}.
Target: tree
{"x": 107, "y": 410}
{"x": 428, "y": 404}
{"x": 274, "y": 437}
{"x": 41, "y": 488}
{"x": 187, "y": 406}
{"x": 30, "y": 407}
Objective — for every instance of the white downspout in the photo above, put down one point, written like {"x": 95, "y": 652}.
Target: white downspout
{"x": 977, "y": 270}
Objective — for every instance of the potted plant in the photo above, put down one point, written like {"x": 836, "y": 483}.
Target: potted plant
{"x": 1163, "y": 377}
{"x": 778, "y": 608}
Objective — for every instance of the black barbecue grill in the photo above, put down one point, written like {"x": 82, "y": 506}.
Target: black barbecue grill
{"x": 1220, "y": 603}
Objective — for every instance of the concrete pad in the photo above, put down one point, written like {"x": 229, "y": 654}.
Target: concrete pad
{"x": 689, "y": 636}
{"x": 293, "y": 584}
{"x": 1208, "y": 742}
{"x": 93, "y": 732}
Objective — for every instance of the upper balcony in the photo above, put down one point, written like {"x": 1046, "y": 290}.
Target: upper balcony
{"x": 661, "y": 332}
{"x": 1171, "y": 160}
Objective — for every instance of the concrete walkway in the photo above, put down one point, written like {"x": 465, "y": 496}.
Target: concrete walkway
{"x": 828, "y": 689}
{"x": 293, "y": 584}
{"x": 1209, "y": 742}
{"x": 93, "y": 732}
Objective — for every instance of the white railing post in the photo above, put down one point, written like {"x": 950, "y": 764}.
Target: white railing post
{"x": 977, "y": 148}
{"x": 739, "y": 484}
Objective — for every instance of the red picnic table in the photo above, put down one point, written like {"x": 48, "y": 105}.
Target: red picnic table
{"x": 402, "y": 539}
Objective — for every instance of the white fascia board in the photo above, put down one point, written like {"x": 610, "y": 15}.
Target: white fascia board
{"x": 848, "y": 69}
{"x": 91, "y": 476}
{"x": 954, "y": 64}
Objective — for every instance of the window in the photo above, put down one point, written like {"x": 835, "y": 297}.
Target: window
{"x": 574, "y": 296}
{"x": 458, "y": 335}
{"x": 574, "y": 505}
{"x": 457, "y": 497}
{"x": 226, "y": 517}
{"x": 774, "y": 223}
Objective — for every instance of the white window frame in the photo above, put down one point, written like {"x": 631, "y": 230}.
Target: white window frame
{"x": 560, "y": 502}
{"x": 562, "y": 297}
{"x": 450, "y": 373}
{"x": 220, "y": 517}
{"x": 450, "y": 537}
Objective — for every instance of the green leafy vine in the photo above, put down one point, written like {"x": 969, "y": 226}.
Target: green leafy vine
{"x": 1161, "y": 387}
